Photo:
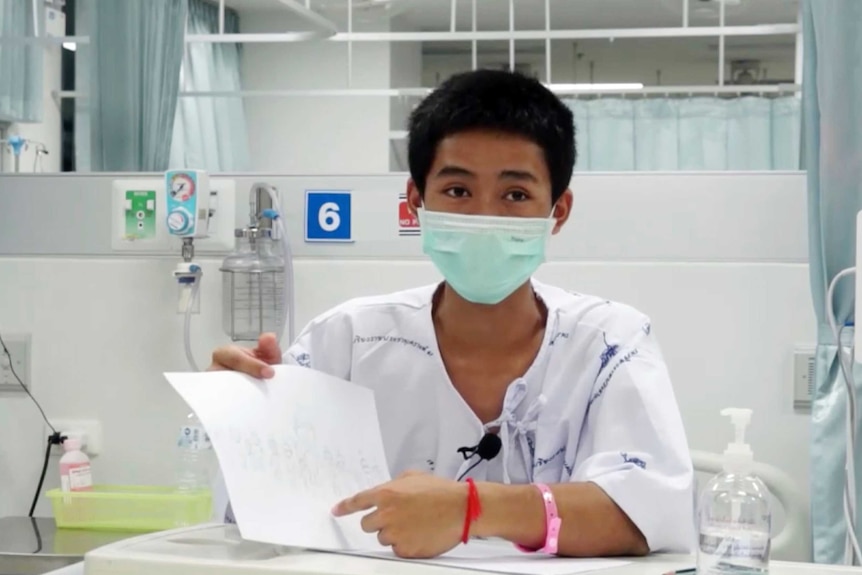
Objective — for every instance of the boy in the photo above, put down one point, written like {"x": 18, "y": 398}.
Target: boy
{"x": 594, "y": 460}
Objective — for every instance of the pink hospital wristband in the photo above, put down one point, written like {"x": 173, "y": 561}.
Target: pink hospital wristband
{"x": 552, "y": 522}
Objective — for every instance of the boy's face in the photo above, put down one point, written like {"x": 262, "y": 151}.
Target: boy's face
{"x": 490, "y": 174}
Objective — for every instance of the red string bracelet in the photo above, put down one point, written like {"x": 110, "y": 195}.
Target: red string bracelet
{"x": 474, "y": 509}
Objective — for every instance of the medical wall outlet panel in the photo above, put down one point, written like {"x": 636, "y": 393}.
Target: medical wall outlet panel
{"x": 139, "y": 214}
{"x": 188, "y": 203}
{"x": 221, "y": 221}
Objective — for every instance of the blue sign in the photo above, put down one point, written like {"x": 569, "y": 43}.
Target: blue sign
{"x": 327, "y": 216}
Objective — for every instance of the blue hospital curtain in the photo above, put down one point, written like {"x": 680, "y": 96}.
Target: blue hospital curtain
{"x": 612, "y": 135}
{"x": 210, "y": 133}
{"x": 582, "y": 133}
{"x": 786, "y": 133}
{"x": 703, "y": 134}
{"x": 689, "y": 134}
{"x": 656, "y": 135}
{"x": 20, "y": 64}
{"x": 134, "y": 73}
{"x": 832, "y": 145}
{"x": 749, "y": 134}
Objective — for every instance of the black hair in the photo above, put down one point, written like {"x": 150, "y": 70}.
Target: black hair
{"x": 496, "y": 100}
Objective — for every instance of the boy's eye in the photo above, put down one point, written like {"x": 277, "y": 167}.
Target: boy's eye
{"x": 517, "y": 196}
{"x": 456, "y": 192}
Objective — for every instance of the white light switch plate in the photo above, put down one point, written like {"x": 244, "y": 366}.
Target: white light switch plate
{"x": 803, "y": 377}
{"x": 19, "y": 350}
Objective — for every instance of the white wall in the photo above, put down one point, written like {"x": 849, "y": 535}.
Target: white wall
{"x": 102, "y": 341}
{"x": 48, "y": 131}
{"x": 729, "y": 309}
{"x": 318, "y": 134}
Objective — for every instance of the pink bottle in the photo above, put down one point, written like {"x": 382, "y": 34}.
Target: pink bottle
{"x": 75, "y": 472}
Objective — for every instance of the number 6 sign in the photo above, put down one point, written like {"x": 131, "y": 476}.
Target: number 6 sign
{"x": 327, "y": 216}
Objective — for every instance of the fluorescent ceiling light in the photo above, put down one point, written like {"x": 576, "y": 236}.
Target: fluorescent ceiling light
{"x": 71, "y": 46}
{"x": 597, "y": 87}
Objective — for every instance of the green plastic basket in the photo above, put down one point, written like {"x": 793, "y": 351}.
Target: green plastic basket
{"x": 129, "y": 508}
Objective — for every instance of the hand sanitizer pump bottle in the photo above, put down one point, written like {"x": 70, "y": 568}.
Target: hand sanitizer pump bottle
{"x": 734, "y": 516}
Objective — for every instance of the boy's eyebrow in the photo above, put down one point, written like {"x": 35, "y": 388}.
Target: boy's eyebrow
{"x": 455, "y": 171}
{"x": 520, "y": 175}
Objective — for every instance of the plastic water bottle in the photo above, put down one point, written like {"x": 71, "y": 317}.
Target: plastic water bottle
{"x": 734, "y": 516}
{"x": 195, "y": 457}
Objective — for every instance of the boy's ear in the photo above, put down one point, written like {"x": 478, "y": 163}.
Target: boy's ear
{"x": 562, "y": 210}
{"x": 414, "y": 198}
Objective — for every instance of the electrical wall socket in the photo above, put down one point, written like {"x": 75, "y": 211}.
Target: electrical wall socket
{"x": 19, "y": 350}
{"x": 803, "y": 377}
{"x": 89, "y": 431}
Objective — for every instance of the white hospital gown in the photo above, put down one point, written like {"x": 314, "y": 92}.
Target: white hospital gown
{"x": 596, "y": 405}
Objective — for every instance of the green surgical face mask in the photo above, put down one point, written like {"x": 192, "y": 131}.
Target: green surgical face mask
{"x": 484, "y": 258}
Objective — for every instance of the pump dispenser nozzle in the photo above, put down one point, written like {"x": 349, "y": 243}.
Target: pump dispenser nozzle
{"x": 734, "y": 514}
{"x": 738, "y": 456}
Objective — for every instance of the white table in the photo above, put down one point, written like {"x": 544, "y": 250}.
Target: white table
{"x": 323, "y": 564}
{"x": 207, "y": 549}
{"x": 29, "y": 546}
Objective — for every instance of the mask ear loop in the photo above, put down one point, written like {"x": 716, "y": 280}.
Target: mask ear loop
{"x": 416, "y": 211}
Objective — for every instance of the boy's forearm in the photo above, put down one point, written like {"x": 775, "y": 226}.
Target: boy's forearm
{"x": 592, "y": 524}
